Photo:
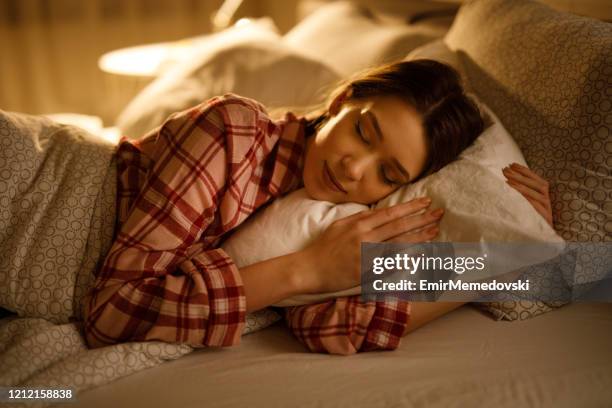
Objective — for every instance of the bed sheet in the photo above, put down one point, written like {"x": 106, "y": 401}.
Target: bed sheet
{"x": 464, "y": 359}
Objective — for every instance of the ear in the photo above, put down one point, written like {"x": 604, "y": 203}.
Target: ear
{"x": 339, "y": 100}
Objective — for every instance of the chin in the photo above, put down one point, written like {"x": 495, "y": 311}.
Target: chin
{"x": 313, "y": 193}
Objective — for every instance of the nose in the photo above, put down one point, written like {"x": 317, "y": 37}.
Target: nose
{"x": 356, "y": 166}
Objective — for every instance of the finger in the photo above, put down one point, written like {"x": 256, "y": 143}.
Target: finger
{"x": 357, "y": 216}
{"x": 405, "y": 224}
{"x": 543, "y": 211}
{"x": 527, "y": 192}
{"x": 546, "y": 214}
{"x": 539, "y": 207}
{"x": 527, "y": 172}
{"x": 522, "y": 179}
{"x": 384, "y": 215}
{"x": 422, "y": 235}
{"x": 435, "y": 223}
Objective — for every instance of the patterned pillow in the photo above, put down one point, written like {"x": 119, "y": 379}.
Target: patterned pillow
{"x": 57, "y": 208}
{"x": 57, "y": 216}
{"x": 547, "y": 75}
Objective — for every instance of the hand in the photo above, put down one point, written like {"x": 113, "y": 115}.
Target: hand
{"x": 533, "y": 187}
{"x": 335, "y": 256}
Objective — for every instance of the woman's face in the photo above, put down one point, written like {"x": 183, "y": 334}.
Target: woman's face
{"x": 365, "y": 151}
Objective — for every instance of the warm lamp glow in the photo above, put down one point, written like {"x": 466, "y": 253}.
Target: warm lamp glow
{"x": 151, "y": 60}
{"x": 142, "y": 60}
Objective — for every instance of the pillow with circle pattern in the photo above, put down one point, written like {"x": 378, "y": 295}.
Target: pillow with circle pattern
{"x": 547, "y": 75}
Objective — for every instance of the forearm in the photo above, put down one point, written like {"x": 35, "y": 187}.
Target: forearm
{"x": 424, "y": 312}
{"x": 273, "y": 280}
{"x": 203, "y": 304}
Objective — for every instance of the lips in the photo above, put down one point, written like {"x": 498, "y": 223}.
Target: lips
{"x": 329, "y": 176}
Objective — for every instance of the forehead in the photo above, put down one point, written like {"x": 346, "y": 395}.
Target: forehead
{"x": 402, "y": 129}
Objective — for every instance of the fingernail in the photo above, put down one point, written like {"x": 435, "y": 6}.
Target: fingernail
{"x": 425, "y": 200}
{"x": 433, "y": 231}
{"x": 438, "y": 213}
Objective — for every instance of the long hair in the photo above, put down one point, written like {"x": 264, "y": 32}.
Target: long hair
{"x": 451, "y": 119}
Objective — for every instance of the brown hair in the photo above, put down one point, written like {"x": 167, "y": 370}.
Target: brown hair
{"x": 451, "y": 119}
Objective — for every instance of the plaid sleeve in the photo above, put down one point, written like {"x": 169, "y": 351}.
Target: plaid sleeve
{"x": 158, "y": 281}
{"x": 347, "y": 326}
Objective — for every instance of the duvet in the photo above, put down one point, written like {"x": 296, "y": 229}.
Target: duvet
{"x": 57, "y": 218}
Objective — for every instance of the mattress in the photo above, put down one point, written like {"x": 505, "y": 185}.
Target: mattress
{"x": 463, "y": 359}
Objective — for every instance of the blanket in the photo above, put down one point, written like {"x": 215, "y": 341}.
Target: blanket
{"x": 57, "y": 219}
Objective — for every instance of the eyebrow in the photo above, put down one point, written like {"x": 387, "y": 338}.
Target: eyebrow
{"x": 379, "y": 134}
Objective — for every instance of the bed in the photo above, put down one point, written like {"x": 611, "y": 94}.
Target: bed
{"x": 463, "y": 359}
{"x": 508, "y": 353}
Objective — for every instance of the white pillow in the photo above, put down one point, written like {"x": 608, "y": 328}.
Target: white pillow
{"x": 287, "y": 225}
{"x": 247, "y": 60}
{"x": 479, "y": 207}
{"x": 349, "y": 39}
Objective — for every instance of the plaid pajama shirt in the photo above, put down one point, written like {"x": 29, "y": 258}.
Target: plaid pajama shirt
{"x": 183, "y": 186}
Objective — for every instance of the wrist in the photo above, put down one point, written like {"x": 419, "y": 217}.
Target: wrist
{"x": 272, "y": 280}
{"x": 304, "y": 276}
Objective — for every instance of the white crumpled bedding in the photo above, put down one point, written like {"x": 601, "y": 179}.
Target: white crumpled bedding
{"x": 57, "y": 215}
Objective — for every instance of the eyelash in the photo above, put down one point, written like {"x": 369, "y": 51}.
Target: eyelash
{"x": 360, "y": 133}
{"x": 385, "y": 179}
{"x": 363, "y": 139}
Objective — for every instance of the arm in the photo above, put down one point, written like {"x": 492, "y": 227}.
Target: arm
{"x": 347, "y": 325}
{"x": 273, "y": 280}
{"x": 149, "y": 286}
{"x": 425, "y": 312}
{"x": 156, "y": 283}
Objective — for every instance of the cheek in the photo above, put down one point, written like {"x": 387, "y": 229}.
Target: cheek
{"x": 336, "y": 137}
{"x": 311, "y": 168}
{"x": 375, "y": 191}
{"x": 309, "y": 165}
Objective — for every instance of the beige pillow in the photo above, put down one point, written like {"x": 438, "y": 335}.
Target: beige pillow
{"x": 547, "y": 76}
{"x": 480, "y": 207}
{"x": 350, "y": 38}
{"x": 248, "y": 60}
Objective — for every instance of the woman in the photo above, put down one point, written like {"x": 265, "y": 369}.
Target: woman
{"x": 186, "y": 185}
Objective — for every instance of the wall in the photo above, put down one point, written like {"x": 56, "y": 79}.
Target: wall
{"x": 50, "y": 48}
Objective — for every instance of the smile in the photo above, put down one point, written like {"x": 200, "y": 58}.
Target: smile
{"x": 330, "y": 180}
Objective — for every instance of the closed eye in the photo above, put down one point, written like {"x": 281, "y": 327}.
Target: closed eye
{"x": 382, "y": 172}
{"x": 360, "y": 132}
{"x": 385, "y": 179}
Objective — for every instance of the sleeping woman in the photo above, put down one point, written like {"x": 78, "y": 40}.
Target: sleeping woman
{"x": 183, "y": 187}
